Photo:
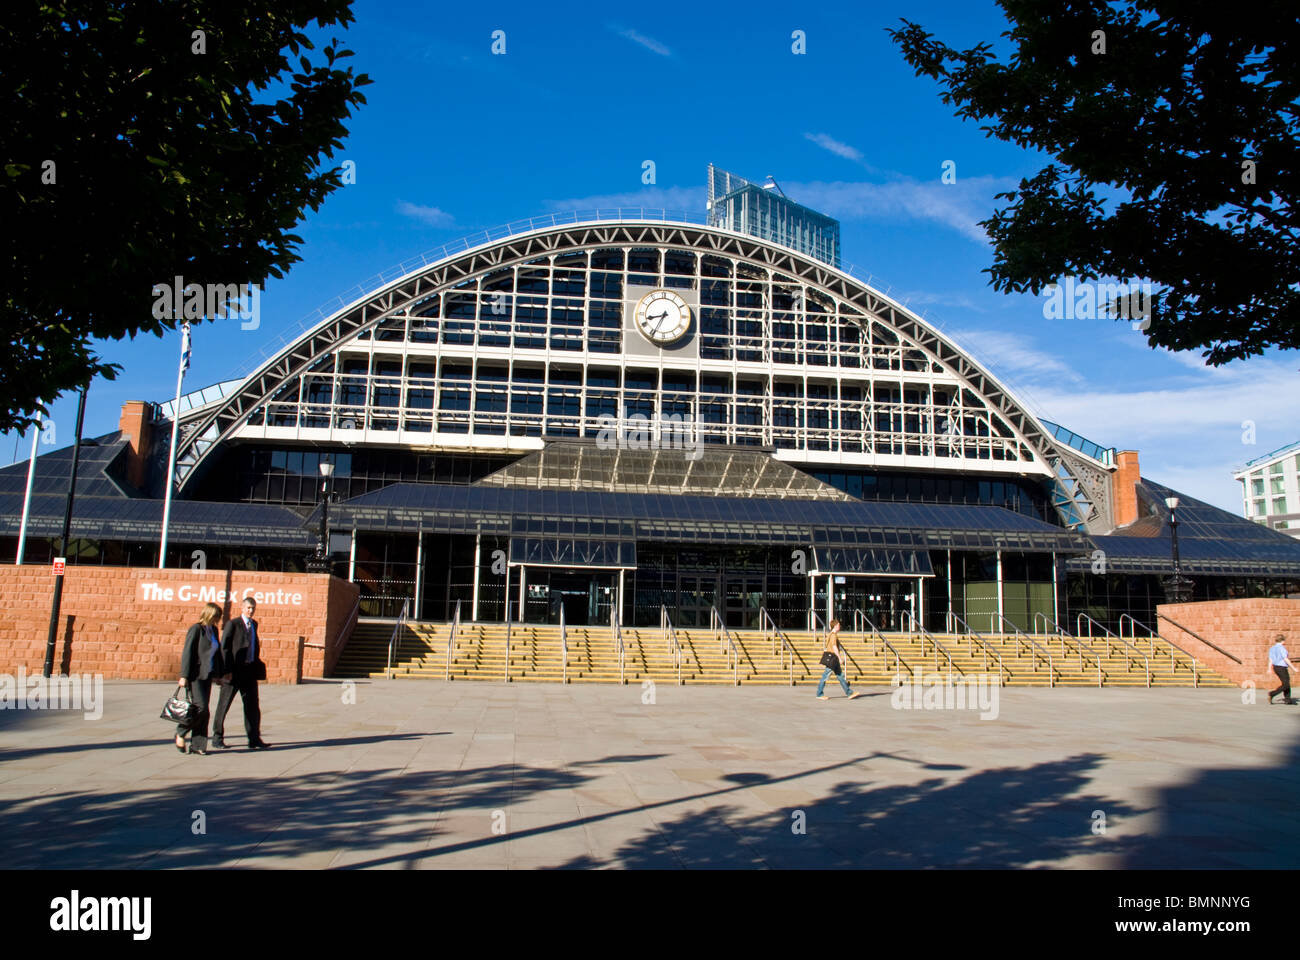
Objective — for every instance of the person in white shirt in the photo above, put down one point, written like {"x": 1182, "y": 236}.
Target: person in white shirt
{"x": 1280, "y": 660}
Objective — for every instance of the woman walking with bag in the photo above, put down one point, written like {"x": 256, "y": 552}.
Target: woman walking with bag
{"x": 833, "y": 659}
{"x": 200, "y": 664}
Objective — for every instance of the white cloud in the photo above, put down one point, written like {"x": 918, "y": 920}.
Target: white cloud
{"x": 1189, "y": 430}
{"x": 923, "y": 299}
{"x": 650, "y": 43}
{"x": 835, "y": 146}
{"x": 430, "y": 216}
{"x": 1012, "y": 354}
{"x": 959, "y": 205}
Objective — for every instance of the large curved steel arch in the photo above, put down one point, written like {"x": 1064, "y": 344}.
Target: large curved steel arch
{"x": 208, "y": 428}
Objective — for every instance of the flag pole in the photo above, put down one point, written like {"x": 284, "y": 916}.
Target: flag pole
{"x": 171, "y": 457}
{"x": 27, "y": 497}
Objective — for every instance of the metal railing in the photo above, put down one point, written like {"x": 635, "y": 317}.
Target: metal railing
{"x": 1213, "y": 646}
{"x": 923, "y": 634}
{"x": 451, "y": 638}
{"x": 564, "y": 647}
{"x": 618, "y": 645}
{"x": 670, "y": 639}
{"x": 1154, "y": 635}
{"x": 720, "y": 632}
{"x": 506, "y": 678}
{"x": 1067, "y": 639}
{"x": 1023, "y": 639}
{"x": 1110, "y": 636}
{"x": 397, "y": 629}
{"x": 861, "y": 620}
{"x": 817, "y": 624}
{"x": 779, "y": 639}
{"x": 348, "y": 624}
{"x": 974, "y": 638}
{"x": 1150, "y": 638}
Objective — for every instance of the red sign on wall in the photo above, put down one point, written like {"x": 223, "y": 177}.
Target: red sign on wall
{"x": 59, "y": 564}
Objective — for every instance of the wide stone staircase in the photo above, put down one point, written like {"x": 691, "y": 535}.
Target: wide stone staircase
{"x": 539, "y": 653}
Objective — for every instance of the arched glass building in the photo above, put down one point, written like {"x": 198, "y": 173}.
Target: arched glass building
{"x": 629, "y": 411}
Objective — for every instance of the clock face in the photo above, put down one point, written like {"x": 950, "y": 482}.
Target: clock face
{"x": 663, "y": 317}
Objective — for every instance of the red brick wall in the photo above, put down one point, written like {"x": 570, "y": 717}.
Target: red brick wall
{"x": 1124, "y": 483}
{"x": 1245, "y": 628}
{"x": 138, "y": 431}
{"x": 122, "y": 623}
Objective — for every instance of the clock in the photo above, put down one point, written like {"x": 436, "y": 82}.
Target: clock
{"x": 663, "y": 317}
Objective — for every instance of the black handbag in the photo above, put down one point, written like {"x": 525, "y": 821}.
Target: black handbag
{"x": 178, "y": 710}
{"x": 259, "y": 670}
{"x": 830, "y": 660}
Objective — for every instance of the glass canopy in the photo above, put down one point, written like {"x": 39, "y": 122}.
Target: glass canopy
{"x": 710, "y": 471}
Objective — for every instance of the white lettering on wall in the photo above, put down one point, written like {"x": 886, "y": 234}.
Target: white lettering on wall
{"x": 207, "y": 593}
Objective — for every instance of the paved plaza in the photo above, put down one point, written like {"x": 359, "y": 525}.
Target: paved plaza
{"x": 427, "y": 775}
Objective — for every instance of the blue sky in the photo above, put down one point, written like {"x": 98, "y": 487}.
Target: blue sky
{"x": 455, "y": 139}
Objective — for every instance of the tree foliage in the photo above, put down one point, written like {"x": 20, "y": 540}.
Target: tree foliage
{"x": 1174, "y": 157}
{"x": 131, "y": 158}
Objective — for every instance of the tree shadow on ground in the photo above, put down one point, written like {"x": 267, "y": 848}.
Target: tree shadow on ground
{"x": 255, "y": 819}
{"x": 1225, "y": 818}
{"x": 1006, "y": 817}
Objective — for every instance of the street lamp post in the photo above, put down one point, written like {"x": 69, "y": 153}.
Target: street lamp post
{"x": 320, "y": 563}
{"x": 1178, "y": 589}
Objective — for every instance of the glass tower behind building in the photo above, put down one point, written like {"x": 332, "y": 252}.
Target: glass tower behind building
{"x": 737, "y": 204}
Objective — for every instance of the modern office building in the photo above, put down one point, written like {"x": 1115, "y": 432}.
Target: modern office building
{"x": 1270, "y": 489}
{"x": 736, "y": 204}
{"x": 633, "y": 412}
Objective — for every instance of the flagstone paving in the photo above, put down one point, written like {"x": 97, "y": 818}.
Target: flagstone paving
{"x": 430, "y": 775}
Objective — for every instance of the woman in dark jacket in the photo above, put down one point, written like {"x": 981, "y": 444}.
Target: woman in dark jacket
{"x": 201, "y": 663}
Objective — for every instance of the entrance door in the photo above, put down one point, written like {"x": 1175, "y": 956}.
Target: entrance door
{"x": 697, "y": 593}
{"x": 883, "y": 600}
{"x": 585, "y": 596}
{"x": 744, "y": 596}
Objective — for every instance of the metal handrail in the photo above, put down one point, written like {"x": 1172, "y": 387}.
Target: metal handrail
{"x": 1156, "y": 635}
{"x": 670, "y": 637}
{"x": 973, "y": 637}
{"x": 397, "y": 628}
{"x": 451, "y": 638}
{"x": 925, "y": 634}
{"x": 765, "y": 619}
{"x": 564, "y": 647}
{"x": 618, "y": 645}
{"x": 818, "y": 624}
{"x": 350, "y": 621}
{"x": 1113, "y": 636}
{"x": 1161, "y": 616}
{"x": 506, "y": 679}
{"x": 1078, "y": 626}
{"x": 1022, "y": 637}
{"x": 860, "y": 618}
{"x": 719, "y": 627}
{"x": 1068, "y": 638}
{"x": 1151, "y": 637}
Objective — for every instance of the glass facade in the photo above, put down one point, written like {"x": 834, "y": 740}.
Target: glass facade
{"x": 541, "y": 349}
{"x": 735, "y": 203}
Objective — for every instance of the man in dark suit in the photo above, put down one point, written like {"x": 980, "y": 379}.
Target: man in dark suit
{"x": 240, "y": 646}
